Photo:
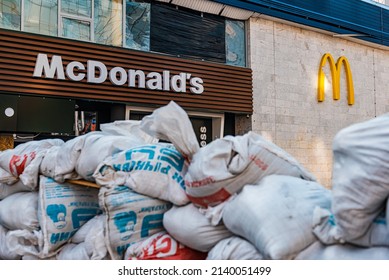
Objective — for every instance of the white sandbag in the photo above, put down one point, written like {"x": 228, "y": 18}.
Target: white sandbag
{"x": 30, "y": 175}
{"x": 161, "y": 246}
{"x": 7, "y": 190}
{"x": 154, "y": 170}
{"x": 26, "y": 243}
{"x": 67, "y": 156}
{"x": 226, "y": 165}
{"x": 15, "y": 160}
{"x": 360, "y": 175}
{"x": 23, "y": 161}
{"x": 73, "y": 251}
{"x": 171, "y": 123}
{"x": 98, "y": 147}
{"x": 128, "y": 128}
{"x": 20, "y": 211}
{"x": 7, "y": 178}
{"x": 63, "y": 209}
{"x": 94, "y": 224}
{"x": 49, "y": 162}
{"x": 234, "y": 248}
{"x": 92, "y": 235}
{"x": 328, "y": 232}
{"x": 189, "y": 226}
{"x": 5, "y": 252}
{"x": 319, "y": 251}
{"x": 130, "y": 217}
{"x": 276, "y": 214}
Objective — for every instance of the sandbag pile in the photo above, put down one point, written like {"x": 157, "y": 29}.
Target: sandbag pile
{"x": 238, "y": 198}
{"x": 359, "y": 212}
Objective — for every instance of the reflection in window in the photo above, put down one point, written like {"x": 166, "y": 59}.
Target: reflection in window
{"x": 10, "y": 14}
{"x": 77, "y": 7}
{"x": 108, "y": 22}
{"x": 137, "y": 25}
{"x": 76, "y": 29}
{"x": 40, "y": 16}
{"x": 235, "y": 43}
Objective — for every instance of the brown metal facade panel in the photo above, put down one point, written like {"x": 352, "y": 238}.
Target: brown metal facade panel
{"x": 226, "y": 88}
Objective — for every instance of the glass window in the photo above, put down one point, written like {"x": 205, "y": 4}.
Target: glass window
{"x": 187, "y": 33}
{"x": 76, "y": 29}
{"x": 10, "y": 14}
{"x": 235, "y": 43}
{"x": 41, "y": 16}
{"x": 108, "y": 22}
{"x": 137, "y": 25}
{"x": 77, "y": 7}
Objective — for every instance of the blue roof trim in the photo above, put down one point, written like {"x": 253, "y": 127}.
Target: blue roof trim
{"x": 338, "y": 16}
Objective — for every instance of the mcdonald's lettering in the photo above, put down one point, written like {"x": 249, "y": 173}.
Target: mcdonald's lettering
{"x": 335, "y": 69}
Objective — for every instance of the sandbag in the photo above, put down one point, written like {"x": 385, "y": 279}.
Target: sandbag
{"x": 66, "y": 158}
{"x": 276, "y": 214}
{"x": 360, "y": 175}
{"x": 171, "y": 123}
{"x": 129, "y": 128}
{"x": 189, "y": 226}
{"x": 320, "y": 251}
{"x": 7, "y": 190}
{"x": 97, "y": 147}
{"x": 226, "y": 165}
{"x": 15, "y": 161}
{"x": 72, "y": 251}
{"x": 91, "y": 235}
{"x": 26, "y": 243}
{"x": 234, "y": 248}
{"x": 155, "y": 170}
{"x": 5, "y": 252}
{"x": 20, "y": 211}
{"x": 7, "y": 178}
{"x": 130, "y": 217}
{"x": 161, "y": 246}
{"x": 63, "y": 209}
{"x": 326, "y": 229}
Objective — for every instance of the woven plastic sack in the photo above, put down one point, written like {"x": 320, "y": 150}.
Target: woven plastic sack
{"x": 7, "y": 178}
{"x": 320, "y": 251}
{"x": 5, "y": 252}
{"x": 7, "y": 190}
{"x": 171, "y": 123}
{"x": 360, "y": 175}
{"x": 130, "y": 128}
{"x": 63, "y": 209}
{"x": 155, "y": 170}
{"x": 276, "y": 214}
{"x": 189, "y": 226}
{"x": 327, "y": 231}
{"x": 226, "y": 165}
{"x": 16, "y": 161}
{"x": 64, "y": 163}
{"x": 161, "y": 246}
{"x": 88, "y": 243}
{"x": 130, "y": 217}
{"x": 99, "y": 147}
{"x": 91, "y": 236}
{"x": 20, "y": 211}
{"x": 234, "y": 248}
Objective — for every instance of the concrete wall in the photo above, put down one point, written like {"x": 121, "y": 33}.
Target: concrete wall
{"x": 285, "y": 62}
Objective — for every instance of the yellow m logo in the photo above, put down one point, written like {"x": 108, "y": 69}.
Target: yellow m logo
{"x": 335, "y": 75}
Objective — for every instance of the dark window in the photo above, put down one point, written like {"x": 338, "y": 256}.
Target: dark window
{"x": 187, "y": 33}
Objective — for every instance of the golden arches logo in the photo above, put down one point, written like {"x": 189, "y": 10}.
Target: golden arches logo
{"x": 335, "y": 75}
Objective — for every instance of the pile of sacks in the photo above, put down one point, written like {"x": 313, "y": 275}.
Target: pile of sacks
{"x": 238, "y": 198}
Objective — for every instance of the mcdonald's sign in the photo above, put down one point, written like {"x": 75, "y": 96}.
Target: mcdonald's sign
{"x": 335, "y": 75}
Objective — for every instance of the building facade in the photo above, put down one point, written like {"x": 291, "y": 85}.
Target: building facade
{"x": 235, "y": 66}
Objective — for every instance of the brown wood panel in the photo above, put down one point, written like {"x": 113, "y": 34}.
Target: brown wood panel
{"x": 226, "y": 88}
